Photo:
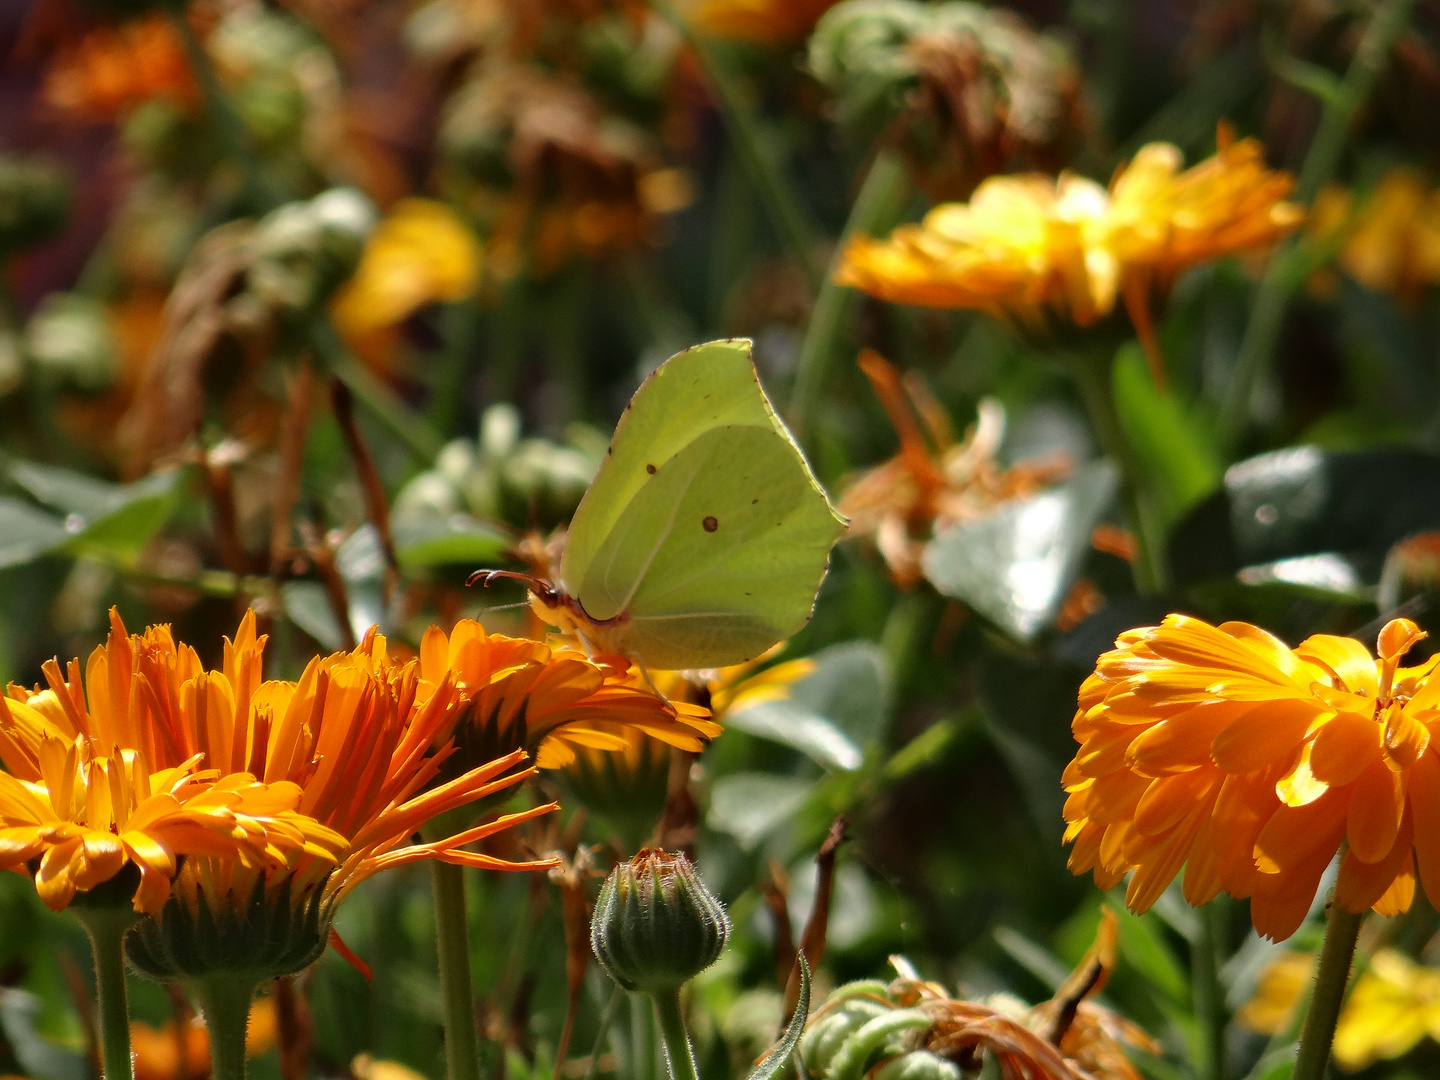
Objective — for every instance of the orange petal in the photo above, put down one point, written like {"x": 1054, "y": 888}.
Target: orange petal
{"x": 1377, "y": 803}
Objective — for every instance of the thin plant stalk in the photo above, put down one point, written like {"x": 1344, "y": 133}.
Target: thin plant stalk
{"x": 764, "y": 173}
{"x": 603, "y": 1031}
{"x": 1092, "y": 377}
{"x": 223, "y": 115}
{"x": 1284, "y": 276}
{"x": 1342, "y": 929}
{"x": 106, "y": 929}
{"x": 452, "y": 939}
{"x": 1209, "y": 997}
{"x": 881, "y": 198}
{"x": 224, "y": 1002}
{"x": 674, "y": 1038}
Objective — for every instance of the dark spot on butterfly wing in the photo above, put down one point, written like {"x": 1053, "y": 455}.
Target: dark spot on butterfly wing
{"x": 710, "y": 523}
{"x": 650, "y": 469}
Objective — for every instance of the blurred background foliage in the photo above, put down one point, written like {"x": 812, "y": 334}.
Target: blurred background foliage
{"x": 319, "y": 305}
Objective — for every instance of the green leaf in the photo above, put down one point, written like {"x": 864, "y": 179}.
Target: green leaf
{"x": 41, "y": 1058}
{"x": 1300, "y": 502}
{"x": 1014, "y": 566}
{"x": 424, "y": 541}
{"x": 308, "y": 606}
{"x": 850, "y": 687}
{"x": 750, "y": 806}
{"x": 116, "y": 517}
{"x": 774, "y": 1061}
{"x": 1180, "y": 464}
{"x": 793, "y": 725}
{"x": 26, "y": 532}
{"x": 1145, "y": 950}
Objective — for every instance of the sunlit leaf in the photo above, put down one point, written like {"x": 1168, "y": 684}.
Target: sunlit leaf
{"x": 308, "y": 606}
{"x": 750, "y": 806}
{"x": 41, "y": 1058}
{"x": 1014, "y": 566}
{"x": 26, "y": 532}
{"x": 117, "y": 517}
{"x": 423, "y": 541}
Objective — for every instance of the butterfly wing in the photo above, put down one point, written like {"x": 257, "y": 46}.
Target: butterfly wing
{"x": 717, "y": 536}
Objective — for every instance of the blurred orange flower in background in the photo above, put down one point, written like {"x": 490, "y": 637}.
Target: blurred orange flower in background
{"x": 113, "y": 69}
{"x": 158, "y": 1051}
{"x": 1253, "y": 765}
{"x": 1390, "y": 240}
{"x": 765, "y": 22}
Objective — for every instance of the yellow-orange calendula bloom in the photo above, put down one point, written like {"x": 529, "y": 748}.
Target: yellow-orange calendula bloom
{"x": 934, "y": 481}
{"x": 765, "y": 22}
{"x": 120, "y": 768}
{"x": 1029, "y": 250}
{"x": 183, "y": 1050}
{"x": 1252, "y": 765}
{"x": 420, "y": 253}
{"x": 1394, "y": 1005}
{"x": 1390, "y": 241}
{"x": 516, "y": 693}
{"x": 1025, "y": 249}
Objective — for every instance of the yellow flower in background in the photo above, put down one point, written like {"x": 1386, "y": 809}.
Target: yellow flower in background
{"x": 1028, "y": 250}
{"x": 765, "y": 22}
{"x": 1252, "y": 765}
{"x": 420, "y": 253}
{"x": 1390, "y": 241}
{"x": 1394, "y": 1004}
{"x": 515, "y": 693}
{"x": 1025, "y": 249}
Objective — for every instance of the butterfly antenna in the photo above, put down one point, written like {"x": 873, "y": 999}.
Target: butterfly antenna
{"x": 485, "y": 577}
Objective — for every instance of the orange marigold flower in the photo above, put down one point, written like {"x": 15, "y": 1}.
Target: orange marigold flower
{"x": 516, "y": 693}
{"x": 1025, "y": 249}
{"x": 113, "y": 69}
{"x": 1390, "y": 242}
{"x": 934, "y": 481}
{"x": 1253, "y": 764}
{"x": 1030, "y": 251}
{"x": 765, "y": 22}
{"x": 183, "y": 1050}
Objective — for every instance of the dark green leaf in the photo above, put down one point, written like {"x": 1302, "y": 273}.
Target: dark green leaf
{"x": 117, "y": 517}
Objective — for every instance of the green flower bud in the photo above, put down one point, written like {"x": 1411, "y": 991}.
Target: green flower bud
{"x": 656, "y": 926}
{"x": 919, "y": 1065}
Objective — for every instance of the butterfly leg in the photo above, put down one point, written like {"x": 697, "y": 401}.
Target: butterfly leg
{"x": 645, "y": 674}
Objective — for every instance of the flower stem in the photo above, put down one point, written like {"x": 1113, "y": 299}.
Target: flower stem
{"x": 1207, "y": 993}
{"x": 1342, "y": 929}
{"x": 1286, "y": 270}
{"x": 1092, "y": 376}
{"x": 760, "y": 168}
{"x": 679, "y": 1057}
{"x": 223, "y": 115}
{"x": 224, "y": 1001}
{"x": 106, "y": 929}
{"x": 880, "y": 200}
{"x": 452, "y": 938}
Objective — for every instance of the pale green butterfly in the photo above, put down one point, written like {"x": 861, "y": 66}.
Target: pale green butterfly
{"x": 703, "y": 539}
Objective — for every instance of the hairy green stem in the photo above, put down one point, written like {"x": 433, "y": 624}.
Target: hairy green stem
{"x": 452, "y": 939}
{"x": 1342, "y": 929}
{"x": 763, "y": 171}
{"x": 1092, "y": 377}
{"x": 1284, "y": 276}
{"x": 1209, "y": 997}
{"x": 674, "y": 1038}
{"x": 224, "y": 1001}
{"x": 106, "y": 929}
{"x": 881, "y": 199}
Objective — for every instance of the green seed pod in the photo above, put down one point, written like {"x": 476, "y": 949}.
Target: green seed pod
{"x": 272, "y": 935}
{"x": 656, "y": 926}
